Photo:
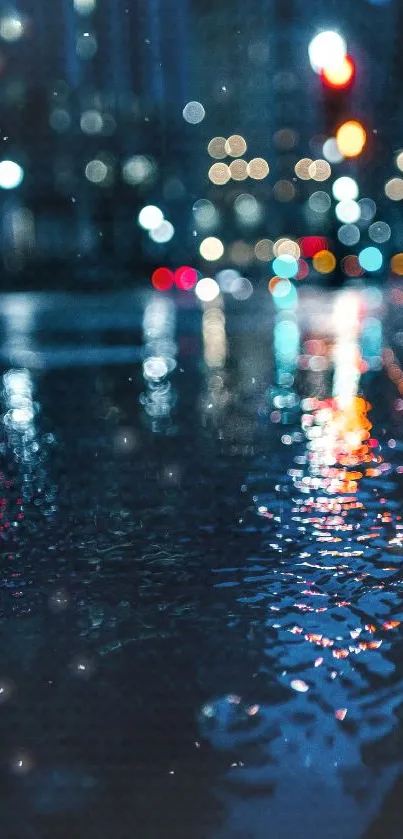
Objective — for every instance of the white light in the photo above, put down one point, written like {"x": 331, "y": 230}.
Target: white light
{"x": 211, "y": 248}
{"x": 241, "y": 288}
{"x": 331, "y": 152}
{"x": 163, "y": 233}
{"x": 91, "y": 122}
{"x": 207, "y": 290}
{"x": 138, "y": 169}
{"x": 11, "y": 28}
{"x": 327, "y": 49}
{"x": 348, "y": 211}
{"x": 96, "y": 171}
{"x": 150, "y": 217}
{"x": 226, "y": 278}
{"x": 194, "y": 112}
{"x": 155, "y": 368}
{"x": 11, "y": 174}
{"x": 345, "y": 189}
{"x": 84, "y": 7}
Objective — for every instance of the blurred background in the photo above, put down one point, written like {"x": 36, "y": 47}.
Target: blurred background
{"x": 187, "y": 134}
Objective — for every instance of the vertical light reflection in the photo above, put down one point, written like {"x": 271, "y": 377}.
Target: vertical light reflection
{"x": 346, "y": 354}
{"x": 23, "y": 444}
{"x": 283, "y": 398}
{"x": 214, "y": 335}
{"x": 160, "y": 351}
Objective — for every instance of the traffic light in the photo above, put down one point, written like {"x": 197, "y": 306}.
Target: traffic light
{"x": 336, "y": 70}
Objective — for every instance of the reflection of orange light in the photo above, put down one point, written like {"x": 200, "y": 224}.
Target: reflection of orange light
{"x": 339, "y": 76}
{"x": 351, "y": 138}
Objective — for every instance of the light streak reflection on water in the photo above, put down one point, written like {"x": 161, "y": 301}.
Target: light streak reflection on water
{"x": 330, "y": 580}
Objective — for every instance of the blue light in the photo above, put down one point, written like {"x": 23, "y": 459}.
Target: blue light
{"x": 285, "y": 266}
{"x": 370, "y": 259}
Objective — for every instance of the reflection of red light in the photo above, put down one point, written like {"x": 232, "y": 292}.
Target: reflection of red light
{"x": 162, "y": 279}
{"x": 341, "y": 76}
{"x": 303, "y": 270}
{"x": 185, "y": 277}
{"x": 310, "y": 245}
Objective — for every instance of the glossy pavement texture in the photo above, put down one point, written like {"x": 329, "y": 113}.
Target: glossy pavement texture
{"x": 201, "y": 541}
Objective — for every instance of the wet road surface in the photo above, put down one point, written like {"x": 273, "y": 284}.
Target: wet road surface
{"x": 201, "y": 590}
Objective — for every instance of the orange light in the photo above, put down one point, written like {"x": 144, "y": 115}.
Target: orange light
{"x": 351, "y": 138}
{"x": 324, "y": 262}
{"x": 339, "y": 76}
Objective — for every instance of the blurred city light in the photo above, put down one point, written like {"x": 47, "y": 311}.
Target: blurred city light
{"x": 340, "y": 75}
{"x": 11, "y": 174}
{"x": 150, "y": 217}
{"x": 351, "y": 138}
{"x": 327, "y": 50}
{"x": 207, "y": 290}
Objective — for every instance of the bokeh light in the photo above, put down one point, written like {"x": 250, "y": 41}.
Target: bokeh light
{"x": 319, "y": 170}
{"x": 205, "y": 214}
{"x": 236, "y": 145}
{"x": 394, "y": 189}
{"x": 370, "y": 259}
{"x": 150, "y": 217}
{"x": 351, "y": 138}
{"x": 367, "y": 209}
{"x": 248, "y": 209}
{"x": 11, "y": 174}
{"x": 310, "y": 245}
{"x": 207, "y": 290}
{"x": 284, "y": 191}
{"x": 11, "y": 27}
{"x": 264, "y": 250}
{"x": 286, "y": 247}
{"x": 216, "y": 148}
{"x": 327, "y": 49}
{"x": 324, "y": 262}
{"x": 185, "y": 277}
{"x": 339, "y": 75}
{"x": 193, "y": 113}
{"x": 258, "y": 168}
{"x": 319, "y": 202}
{"x": 84, "y": 7}
{"x": 348, "y": 234}
{"x": 219, "y": 174}
{"x": 396, "y": 264}
{"x": 351, "y": 266}
{"x": 238, "y": 170}
{"x": 302, "y": 168}
{"x": 162, "y": 279}
{"x": 96, "y": 171}
{"x": 331, "y": 152}
{"x": 211, "y": 248}
{"x": 163, "y": 233}
{"x": 138, "y": 170}
{"x": 285, "y": 266}
{"x": 379, "y": 232}
{"x": 348, "y": 211}
{"x": 345, "y": 188}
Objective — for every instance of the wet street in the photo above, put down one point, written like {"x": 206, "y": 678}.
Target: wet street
{"x": 201, "y": 537}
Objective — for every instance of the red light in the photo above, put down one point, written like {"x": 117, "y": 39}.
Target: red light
{"x": 341, "y": 76}
{"x": 185, "y": 277}
{"x": 311, "y": 245}
{"x": 162, "y": 279}
{"x": 303, "y": 270}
